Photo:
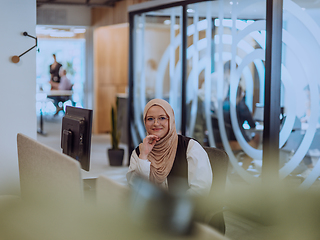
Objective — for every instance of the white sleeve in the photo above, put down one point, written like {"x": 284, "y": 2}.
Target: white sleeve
{"x": 199, "y": 169}
{"x": 65, "y": 84}
{"x": 62, "y": 84}
{"x": 138, "y": 167}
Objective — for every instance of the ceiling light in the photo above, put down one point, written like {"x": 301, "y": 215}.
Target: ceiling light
{"x": 189, "y": 10}
{"x": 43, "y": 31}
{"x": 79, "y": 30}
{"x": 61, "y": 34}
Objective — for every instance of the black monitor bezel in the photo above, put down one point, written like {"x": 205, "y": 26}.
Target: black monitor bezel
{"x": 78, "y": 116}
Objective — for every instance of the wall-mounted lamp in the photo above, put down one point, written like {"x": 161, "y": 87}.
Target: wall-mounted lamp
{"x": 16, "y": 59}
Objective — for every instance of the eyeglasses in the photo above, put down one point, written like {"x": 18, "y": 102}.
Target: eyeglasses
{"x": 152, "y": 120}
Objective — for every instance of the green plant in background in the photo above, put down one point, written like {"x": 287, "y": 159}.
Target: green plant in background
{"x": 115, "y": 135}
{"x": 69, "y": 68}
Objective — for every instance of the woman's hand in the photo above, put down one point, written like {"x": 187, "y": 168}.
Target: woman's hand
{"x": 54, "y": 85}
{"x": 147, "y": 145}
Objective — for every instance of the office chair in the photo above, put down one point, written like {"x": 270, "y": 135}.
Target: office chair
{"x": 219, "y": 161}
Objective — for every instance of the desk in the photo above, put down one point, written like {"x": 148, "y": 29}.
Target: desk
{"x": 117, "y": 174}
{"x": 59, "y": 93}
{"x": 60, "y": 96}
{"x": 99, "y": 162}
{"x": 257, "y": 129}
{"x": 44, "y": 97}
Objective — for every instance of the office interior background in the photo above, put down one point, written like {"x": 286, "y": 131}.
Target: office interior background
{"x": 197, "y": 54}
{"x": 227, "y": 31}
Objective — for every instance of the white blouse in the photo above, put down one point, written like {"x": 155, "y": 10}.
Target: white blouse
{"x": 199, "y": 169}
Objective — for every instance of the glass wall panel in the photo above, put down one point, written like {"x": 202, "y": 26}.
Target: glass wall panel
{"x": 71, "y": 54}
{"x": 224, "y": 76}
{"x": 157, "y": 63}
{"x": 199, "y": 64}
{"x": 300, "y": 134}
{"x": 225, "y": 80}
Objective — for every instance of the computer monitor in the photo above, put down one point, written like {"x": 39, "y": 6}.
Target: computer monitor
{"x": 76, "y": 135}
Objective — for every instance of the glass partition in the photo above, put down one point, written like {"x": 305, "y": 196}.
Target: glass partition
{"x": 224, "y": 93}
{"x": 208, "y": 59}
{"x": 225, "y": 80}
{"x": 300, "y": 135}
{"x": 157, "y": 63}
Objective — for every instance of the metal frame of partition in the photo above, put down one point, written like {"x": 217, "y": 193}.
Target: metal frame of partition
{"x": 272, "y": 91}
{"x": 270, "y": 169}
{"x": 184, "y": 70}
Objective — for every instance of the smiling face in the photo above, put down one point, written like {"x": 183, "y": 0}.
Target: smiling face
{"x": 157, "y": 121}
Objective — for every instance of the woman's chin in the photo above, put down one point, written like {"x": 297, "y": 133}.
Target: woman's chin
{"x": 159, "y": 135}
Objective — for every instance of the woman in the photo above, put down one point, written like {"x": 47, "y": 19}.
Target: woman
{"x": 54, "y": 70}
{"x": 165, "y": 157}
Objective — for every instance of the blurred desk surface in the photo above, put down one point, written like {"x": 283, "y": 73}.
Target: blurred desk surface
{"x": 117, "y": 174}
{"x": 99, "y": 165}
{"x": 59, "y": 93}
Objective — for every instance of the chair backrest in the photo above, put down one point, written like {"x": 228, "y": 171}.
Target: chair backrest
{"x": 219, "y": 161}
{"x": 46, "y": 174}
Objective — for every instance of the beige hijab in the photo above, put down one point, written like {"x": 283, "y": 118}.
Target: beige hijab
{"x": 163, "y": 153}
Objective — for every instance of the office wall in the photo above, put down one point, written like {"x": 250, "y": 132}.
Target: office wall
{"x": 18, "y": 86}
{"x": 111, "y": 51}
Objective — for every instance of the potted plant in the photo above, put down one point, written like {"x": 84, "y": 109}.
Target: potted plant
{"x": 115, "y": 153}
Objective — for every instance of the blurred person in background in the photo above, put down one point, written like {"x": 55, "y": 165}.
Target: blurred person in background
{"x": 55, "y": 70}
{"x": 64, "y": 84}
